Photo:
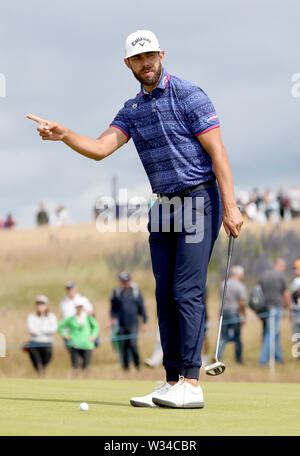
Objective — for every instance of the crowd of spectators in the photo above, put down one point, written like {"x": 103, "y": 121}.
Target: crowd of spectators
{"x": 57, "y": 218}
{"x": 79, "y": 328}
{"x": 257, "y": 205}
{"x": 276, "y": 296}
{"x": 267, "y": 205}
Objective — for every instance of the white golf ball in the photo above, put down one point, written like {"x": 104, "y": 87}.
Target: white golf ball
{"x": 84, "y": 407}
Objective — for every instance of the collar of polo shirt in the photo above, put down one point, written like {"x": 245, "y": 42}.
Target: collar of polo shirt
{"x": 163, "y": 82}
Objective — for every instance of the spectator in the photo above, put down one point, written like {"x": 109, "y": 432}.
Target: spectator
{"x": 80, "y": 331}
{"x": 60, "y": 217}
{"x": 294, "y": 196}
{"x": 255, "y": 197}
{"x": 67, "y": 305}
{"x": 276, "y": 295}
{"x": 42, "y": 217}
{"x": 295, "y": 305}
{"x": 234, "y": 308}
{"x": 9, "y": 222}
{"x": 41, "y": 326}
{"x": 126, "y": 305}
{"x": 269, "y": 201}
{"x": 283, "y": 202}
{"x": 251, "y": 210}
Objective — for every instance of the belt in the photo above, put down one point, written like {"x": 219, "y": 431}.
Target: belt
{"x": 189, "y": 190}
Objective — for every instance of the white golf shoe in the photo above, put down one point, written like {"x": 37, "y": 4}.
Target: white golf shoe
{"x": 181, "y": 395}
{"x": 146, "y": 401}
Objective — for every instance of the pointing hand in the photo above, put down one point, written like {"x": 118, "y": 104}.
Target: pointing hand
{"x": 49, "y": 130}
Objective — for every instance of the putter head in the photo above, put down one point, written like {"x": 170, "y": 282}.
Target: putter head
{"x": 216, "y": 368}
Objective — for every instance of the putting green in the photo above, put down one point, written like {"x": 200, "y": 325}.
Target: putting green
{"x": 51, "y": 407}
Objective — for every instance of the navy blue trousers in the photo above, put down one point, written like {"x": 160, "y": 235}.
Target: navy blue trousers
{"x": 180, "y": 262}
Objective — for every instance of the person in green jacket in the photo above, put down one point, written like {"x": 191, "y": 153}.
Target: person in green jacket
{"x": 80, "y": 331}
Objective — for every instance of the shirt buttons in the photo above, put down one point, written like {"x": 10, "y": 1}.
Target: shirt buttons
{"x": 154, "y": 109}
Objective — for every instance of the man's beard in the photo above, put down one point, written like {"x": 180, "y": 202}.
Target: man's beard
{"x": 146, "y": 81}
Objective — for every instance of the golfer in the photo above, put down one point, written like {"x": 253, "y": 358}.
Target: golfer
{"x": 176, "y": 132}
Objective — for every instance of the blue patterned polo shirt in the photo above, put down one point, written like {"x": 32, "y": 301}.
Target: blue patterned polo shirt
{"x": 164, "y": 126}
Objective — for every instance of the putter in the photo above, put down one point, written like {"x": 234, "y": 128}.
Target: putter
{"x": 218, "y": 367}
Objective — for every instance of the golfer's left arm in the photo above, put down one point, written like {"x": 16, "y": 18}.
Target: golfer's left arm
{"x": 213, "y": 144}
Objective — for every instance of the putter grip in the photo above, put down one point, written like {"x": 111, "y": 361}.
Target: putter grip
{"x": 231, "y": 244}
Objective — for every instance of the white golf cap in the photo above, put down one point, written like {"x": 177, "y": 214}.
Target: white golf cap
{"x": 41, "y": 299}
{"x": 141, "y": 41}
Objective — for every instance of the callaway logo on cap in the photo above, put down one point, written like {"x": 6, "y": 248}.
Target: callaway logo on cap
{"x": 141, "y": 41}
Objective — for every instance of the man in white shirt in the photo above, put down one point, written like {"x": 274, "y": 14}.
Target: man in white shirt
{"x": 67, "y": 305}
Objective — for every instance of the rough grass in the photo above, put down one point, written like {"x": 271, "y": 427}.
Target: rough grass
{"x": 42, "y": 260}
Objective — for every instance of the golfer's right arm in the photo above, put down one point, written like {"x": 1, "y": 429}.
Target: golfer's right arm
{"x": 97, "y": 149}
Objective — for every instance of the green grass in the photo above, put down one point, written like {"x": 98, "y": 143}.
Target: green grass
{"x": 51, "y": 407}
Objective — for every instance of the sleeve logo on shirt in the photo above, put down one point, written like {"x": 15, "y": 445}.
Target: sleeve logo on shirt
{"x": 134, "y": 106}
{"x": 212, "y": 118}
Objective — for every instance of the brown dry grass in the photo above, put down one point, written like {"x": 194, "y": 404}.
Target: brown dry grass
{"x": 43, "y": 259}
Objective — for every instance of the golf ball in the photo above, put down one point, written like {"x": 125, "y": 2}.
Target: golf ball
{"x": 84, "y": 407}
